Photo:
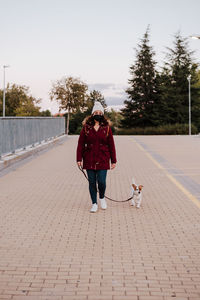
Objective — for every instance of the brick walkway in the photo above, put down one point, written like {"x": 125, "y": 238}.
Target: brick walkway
{"x": 51, "y": 247}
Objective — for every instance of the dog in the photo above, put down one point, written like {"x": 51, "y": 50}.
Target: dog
{"x": 136, "y": 193}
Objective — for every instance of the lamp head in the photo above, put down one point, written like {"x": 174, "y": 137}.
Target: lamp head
{"x": 195, "y": 37}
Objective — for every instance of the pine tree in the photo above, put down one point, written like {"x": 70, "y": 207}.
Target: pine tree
{"x": 174, "y": 92}
{"x": 196, "y": 104}
{"x": 140, "y": 108}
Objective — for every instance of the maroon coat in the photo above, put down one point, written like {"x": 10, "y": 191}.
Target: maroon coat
{"x": 96, "y": 148}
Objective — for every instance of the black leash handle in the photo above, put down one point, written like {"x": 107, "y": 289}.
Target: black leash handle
{"x": 81, "y": 169}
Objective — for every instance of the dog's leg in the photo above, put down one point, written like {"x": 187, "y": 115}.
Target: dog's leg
{"x": 139, "y": 200}
{"x": 132, "y": 195}
{"x": 132, "y": 201}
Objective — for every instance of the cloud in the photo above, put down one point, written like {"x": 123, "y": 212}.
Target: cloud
{"x": 121, "y": 93}
{"x": 100, "y": 86}
{"x": 115, "y": 100}
{"x": 115, "y": 107}
{"x": 116, "y": 88}
{"x": 114, "y": 94}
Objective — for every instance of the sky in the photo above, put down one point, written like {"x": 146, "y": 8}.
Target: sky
{"x": 94, "y": 40}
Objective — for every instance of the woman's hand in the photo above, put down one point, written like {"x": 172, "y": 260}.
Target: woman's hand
{"x": 113, "y": 166}
{"x": 79, "y": 163}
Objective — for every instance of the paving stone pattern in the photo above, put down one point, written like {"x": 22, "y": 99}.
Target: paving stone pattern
{"x": 53, "y": 248}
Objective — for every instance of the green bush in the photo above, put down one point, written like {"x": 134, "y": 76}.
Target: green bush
{"x": 78, "y": 130}
{"x": 160, "y": 130}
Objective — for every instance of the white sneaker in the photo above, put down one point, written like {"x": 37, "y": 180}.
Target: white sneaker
{"x": 94, "y": 208}
{"x": 103, "y": 203}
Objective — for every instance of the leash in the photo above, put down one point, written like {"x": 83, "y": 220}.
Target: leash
{"x": 81, "y": 169}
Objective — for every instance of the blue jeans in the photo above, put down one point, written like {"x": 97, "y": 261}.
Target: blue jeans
{"x": 94, "y": 177}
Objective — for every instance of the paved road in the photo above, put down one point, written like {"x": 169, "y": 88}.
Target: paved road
{"x": 51, "y": 247}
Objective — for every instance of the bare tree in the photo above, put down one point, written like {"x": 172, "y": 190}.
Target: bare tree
{"x": 71, "y": 95}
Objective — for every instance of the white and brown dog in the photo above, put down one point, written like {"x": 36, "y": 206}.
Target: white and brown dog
{"x": 136, "y": 193}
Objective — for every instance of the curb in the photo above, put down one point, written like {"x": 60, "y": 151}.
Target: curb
{"x": 11, "y": 159}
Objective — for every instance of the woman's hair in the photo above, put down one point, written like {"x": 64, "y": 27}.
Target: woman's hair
{"x": 89, "y": 120}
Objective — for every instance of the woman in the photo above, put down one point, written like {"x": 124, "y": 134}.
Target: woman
{"x": 96, "y": 148}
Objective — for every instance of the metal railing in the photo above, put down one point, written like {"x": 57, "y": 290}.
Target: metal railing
{"x": 20, "y": 132}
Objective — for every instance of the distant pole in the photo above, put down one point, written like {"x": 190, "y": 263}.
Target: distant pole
{"x": 189, "y": 93}
{"x": 4, "y": 90}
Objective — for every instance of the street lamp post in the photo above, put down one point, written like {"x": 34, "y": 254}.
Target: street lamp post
{"x": 4, "y": 89}
{"x": 189, "y": 93}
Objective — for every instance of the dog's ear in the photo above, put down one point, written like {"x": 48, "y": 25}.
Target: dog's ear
{"x": 140, "y": 187}
{"x": 134, "y": 186}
